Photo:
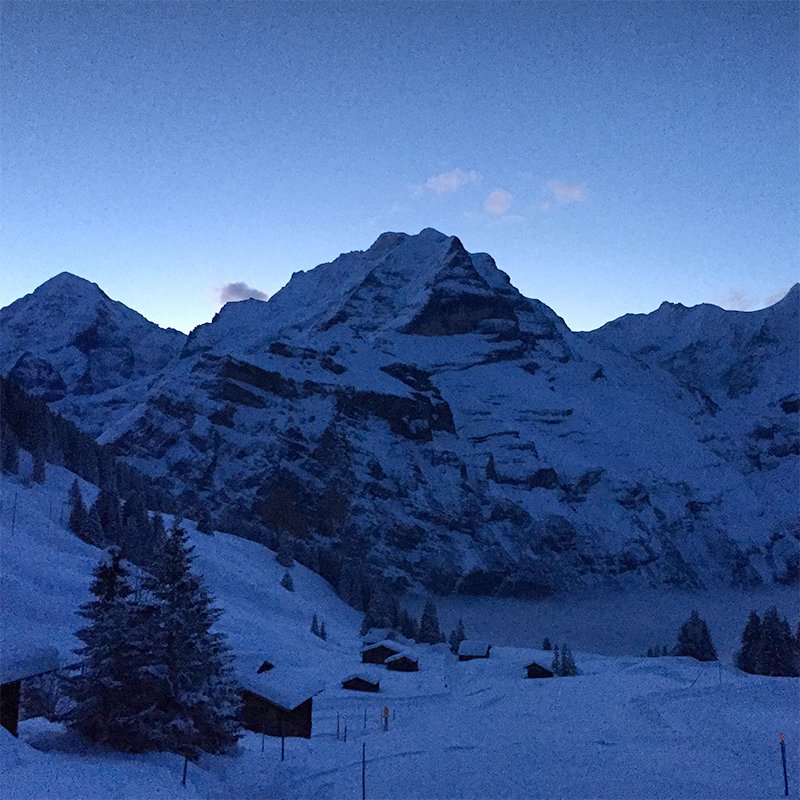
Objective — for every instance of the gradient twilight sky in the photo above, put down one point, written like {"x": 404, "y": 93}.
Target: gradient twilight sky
{"x": 609, "y": 156}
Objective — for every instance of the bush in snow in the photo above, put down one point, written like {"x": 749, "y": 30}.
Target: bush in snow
{"x": 694, "y": 639}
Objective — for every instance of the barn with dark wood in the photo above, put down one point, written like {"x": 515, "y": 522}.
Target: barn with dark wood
{"x": 360, "y": 683}
{"x": 470, "y": 649}
{"x": 277, "y": 702}
{"x": 378, "y": 652}
{"x": 402, "y": 662}
{"x": 15, "y": 669}
{"x": 534, "y": 670}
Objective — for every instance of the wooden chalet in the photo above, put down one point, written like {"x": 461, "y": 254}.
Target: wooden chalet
{"x": 15, "y": 669}
{"x": 378, "y": 652}
{"x": 470, "y": 649}
{"x": 534, "y": 670}
{"x": 277, "y": 702}
{"x": 402, "y": 662}
{"x": 360, "y": 683}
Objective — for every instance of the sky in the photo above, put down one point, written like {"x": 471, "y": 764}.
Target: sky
{"x": 609, "y": 156}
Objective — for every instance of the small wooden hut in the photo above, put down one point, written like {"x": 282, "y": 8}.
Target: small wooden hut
{"x": 402, "y": 662}
{"x": 15, "y": 669}
{"x": 360, "y": 683}
{"x": 534, "y": 670}
{"x": 378, "y": 652}
{"x": 470, "y": 649}
{"x": 277, "y": 702}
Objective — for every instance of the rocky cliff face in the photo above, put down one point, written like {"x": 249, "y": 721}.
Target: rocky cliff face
{"x": 407, "y": 404}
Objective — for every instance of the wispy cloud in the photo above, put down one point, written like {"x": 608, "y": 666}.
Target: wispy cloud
{"x": 737, "y": 300}
{"x": 497, "y": 202}
{"x": 239, "y": 290}
{"x": 448, "y": 182}
{"x": 561, "y": 193}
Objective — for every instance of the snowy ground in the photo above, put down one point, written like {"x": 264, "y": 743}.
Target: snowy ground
{"x": 627, "y": 727}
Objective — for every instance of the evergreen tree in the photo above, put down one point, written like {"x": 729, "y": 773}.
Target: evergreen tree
{"x": 664, "y": 650}
{"x": 457, "y": 635}
{"x": 429, "y": 632}
{"x": 546, "y": 645}
{"x": 106, "y": 693}
{"x": 748, "y": 657}
{"x": 287, "y": 582}
{"x": 192, "y": 677}
{"x": 9, "y": 450}
{"x": 777, "y": 652}
{"x": 694, "y": 639}
{"x": 108, "y": 509}
{"x": 92, "y": 529}
{"x": 381, "y": 611}
{"x": 408, "y": 625}
{"x": 555, "y": 665}
{"x": 649, "y": 652}
{"x": 315, "y": 625}
{"x": 77, "y": 510}
{"x": 568, "y": 667}
{"x": 206, "y": 525}
{"x": 323, "y": 634}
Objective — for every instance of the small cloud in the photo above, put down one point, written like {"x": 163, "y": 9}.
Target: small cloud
{"x": 737, "y": 300}
{"x": 232, "y": 292}
{"x": 447, "y": 182}
{"x": 560, "y": 193}
{"x": 497, "y": 202}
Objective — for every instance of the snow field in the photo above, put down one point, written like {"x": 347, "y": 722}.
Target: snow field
{"x": 627, "y": 727}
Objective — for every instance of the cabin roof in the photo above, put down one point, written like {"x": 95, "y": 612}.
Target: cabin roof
{"x": 282, "y": 686}
{"x": 472, "y": 647}
{"x": 400, "y": 656}
{"x": 387, "y": 643}
{"x": 27, "y": 664}
{"x": 361, "y": 677}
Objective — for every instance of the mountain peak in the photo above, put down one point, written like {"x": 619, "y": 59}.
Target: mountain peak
{"x": 68, "y": 283}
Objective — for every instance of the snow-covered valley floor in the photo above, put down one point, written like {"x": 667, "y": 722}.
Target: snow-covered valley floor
{"x": 626, "y": 727}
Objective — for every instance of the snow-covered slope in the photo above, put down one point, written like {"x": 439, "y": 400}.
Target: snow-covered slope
{"x": 406, "y": 404}
{"x": 666, "y": 727}
{"x": 69, "y": 343}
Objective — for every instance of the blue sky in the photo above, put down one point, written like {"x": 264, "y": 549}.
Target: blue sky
{"x": 609, "y": 156}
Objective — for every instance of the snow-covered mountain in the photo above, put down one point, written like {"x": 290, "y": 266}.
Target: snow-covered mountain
{"x": 408, "y": 406}
{"x": 69, "y": 343}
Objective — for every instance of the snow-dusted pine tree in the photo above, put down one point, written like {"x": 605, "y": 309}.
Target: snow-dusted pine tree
{"x": 429, "y": 625}
{"x": 457, "y": 635}
{"x": 555, "y": 666}
{"x": 198, "y": 700}
{"x": 747, "y": 657}
{"x": 694, "y": 639}
{"x": 105, "y": 692}
{"x": 568, "y": 666}
{"x": 287, "y": 582}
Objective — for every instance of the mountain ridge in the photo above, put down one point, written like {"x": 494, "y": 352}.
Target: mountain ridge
{"x": 407, "y": 407}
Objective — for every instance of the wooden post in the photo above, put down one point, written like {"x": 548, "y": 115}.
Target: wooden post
{"x": 363, "y": 771}
{"x": 185, "y": 768}
{"x": 785, "y": 775}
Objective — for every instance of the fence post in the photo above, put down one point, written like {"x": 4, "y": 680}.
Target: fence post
{"x": 185, "y": 768}
{"x": 785, "y": 775}
{"x": 363, "y": 771}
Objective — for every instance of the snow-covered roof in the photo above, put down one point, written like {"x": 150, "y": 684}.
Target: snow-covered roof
{"x": 394, "y": 646}
{"x": 14, "y": 666}
{"x": 471, "y": 647}
{"x": 360, "y": 677}
{"x": 398, "y": 657}
{"x": 283, "y": 687}
{"x": 374, "y": 635}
